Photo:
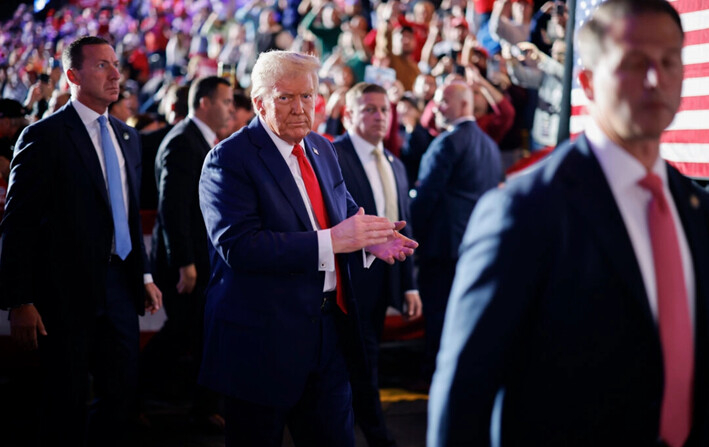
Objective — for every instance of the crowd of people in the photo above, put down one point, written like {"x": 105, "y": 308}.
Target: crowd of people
{"x": 296, "y": 155}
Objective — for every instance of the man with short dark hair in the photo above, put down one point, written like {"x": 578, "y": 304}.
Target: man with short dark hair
{"x": 180, "y": 247}
{"x": 579, "y": 315}
{"x": 73, "y": 266}
{"x": 377, "y": 182}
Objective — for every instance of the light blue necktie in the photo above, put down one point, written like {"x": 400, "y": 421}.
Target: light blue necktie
{"x": 115, "y": 192}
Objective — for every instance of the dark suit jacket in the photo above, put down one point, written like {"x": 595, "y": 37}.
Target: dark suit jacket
{"x": 179, "y": 235}
{"x": 57, "y": 229}
{"x": 395, "y": 279}
{"x": 150, "y": 143}
{"x": 262, "y": 315}
{"x": 549, "y": 315}
{"x": 458, "y": 167}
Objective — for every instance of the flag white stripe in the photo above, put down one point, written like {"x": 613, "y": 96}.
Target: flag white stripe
{"x": 690, "y": 120}
{"x": 695, "y": 87}
{"x": 689, "y": 153}
{"x": 693, "y": 21}
{"x": 695, "y": 54}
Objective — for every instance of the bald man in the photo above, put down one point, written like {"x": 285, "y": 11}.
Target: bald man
{"x": 458, "y": 167}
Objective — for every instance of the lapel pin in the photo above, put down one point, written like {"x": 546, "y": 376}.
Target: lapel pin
{"x": 126, "y": 136}
{"x": 390, "y": 158}
{"x": 694, "y": 201}
{"x": 316, "y": 151}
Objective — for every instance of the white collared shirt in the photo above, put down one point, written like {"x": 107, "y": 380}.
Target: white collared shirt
{"x": 326, "y": 254}
{"x": 365, "y": 152}
{"x": 623, "y": 172}
{"x": 90, "y": 120}
{"x": 209, "y": 135}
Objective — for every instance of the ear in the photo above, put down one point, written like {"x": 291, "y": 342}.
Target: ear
{"x": 586, "y": 81}
{"x": 203, "y": 104}
{"x": 258, "y": 106}
{"x": 73, "y": 77}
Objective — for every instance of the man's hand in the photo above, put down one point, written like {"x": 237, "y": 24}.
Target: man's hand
{"x": 412, "y": 306}
{"x": 395, "y": 247}
{"x": 188, "y": 279}
{"x": 153, "y": 298}
{"x": 359, "y": 231}
{"x": 25, "y": 322}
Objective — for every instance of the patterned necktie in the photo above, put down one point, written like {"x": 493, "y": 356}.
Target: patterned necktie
{"x": 312, "y": 187}
{"x": 391, "y": 208}
{"x": 673, "y": 317}
{"x": 115, "y": 192}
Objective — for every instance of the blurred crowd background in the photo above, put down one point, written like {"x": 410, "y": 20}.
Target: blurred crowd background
{"x": 511, "y": 52}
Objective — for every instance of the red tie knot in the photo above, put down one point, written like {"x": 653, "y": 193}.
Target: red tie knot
{"x": 298, "y": 151}
{"x": 653, "y": 183}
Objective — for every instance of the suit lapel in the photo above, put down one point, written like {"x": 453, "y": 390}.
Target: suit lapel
{"x": 313, "y": 152}
{"x": 350, "y": 160}
{"x": 85, "y": 147}
{"x": 275, "y": 163}
{"x": 205, "y": 145}
{"x": 590, "y": 195}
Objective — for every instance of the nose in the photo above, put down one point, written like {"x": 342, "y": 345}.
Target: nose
{"x": 652, "y": 79}
{"x": 297, "y": 105}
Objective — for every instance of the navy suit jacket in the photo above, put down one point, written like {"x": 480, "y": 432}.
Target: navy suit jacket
{"x": 394, "y": 279}
{"x": 548, "y": 320}
{"x": 263, "y": 300}
{"x": 458, "y": 167}
{"x": 179, "y": 236}
{"x": 58, "y": 229}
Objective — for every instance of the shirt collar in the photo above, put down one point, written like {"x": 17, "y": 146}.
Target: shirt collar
{"x": 462, "y": 120}
{"x": 621, "y": 169}
{"x": 87, "y": 115}
{"x": 363, "y": 147}
{"x": 283, "y": 147}
{"x": 207, "y": 132}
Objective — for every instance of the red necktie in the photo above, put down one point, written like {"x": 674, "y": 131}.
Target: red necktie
{"x": 673, "y": 315}
{"x": 315, "y": 195}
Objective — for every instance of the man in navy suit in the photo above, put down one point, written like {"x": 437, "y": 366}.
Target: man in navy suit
{"x": 279, "y": 311}
{"x": 459, "y": 166}
{"x": 180, "y": 248}
{"x": 73, "y": 266}
{"x": 573, "y": 319}
{"x": 377, "y": 182}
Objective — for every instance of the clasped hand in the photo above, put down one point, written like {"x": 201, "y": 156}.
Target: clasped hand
{"x": 376, "y": 234}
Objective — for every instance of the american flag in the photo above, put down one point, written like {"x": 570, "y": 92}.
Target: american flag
{"x": 685, "y": 144}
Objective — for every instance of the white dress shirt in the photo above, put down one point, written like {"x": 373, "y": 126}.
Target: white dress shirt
{"x": 623, "y": 172}
{"x": 209, "y": 135}
{"x": 90, "y": 120}
{"x": 326, "y": 255}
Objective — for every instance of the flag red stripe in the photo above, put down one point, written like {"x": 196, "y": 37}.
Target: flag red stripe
{"x": 578, "y": 110}
{"x": 692, "y": 169}
{"x": 696, "y": 37}
{"x": 696, "y": 70}
{"x": 684, "y": 6}
{"x": 700, "y": 136}
{"x": 694, "y": 103}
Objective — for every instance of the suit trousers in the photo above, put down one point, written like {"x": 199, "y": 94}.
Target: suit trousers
{"x": 105, "y": 349}
{"x": 322, "y": 417}
{"x": 435, "y": 282}
{"x": 367, "y": 405}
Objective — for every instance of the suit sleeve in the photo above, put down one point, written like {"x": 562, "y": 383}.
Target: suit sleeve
{"x": 27, "y": 199}
{"x": 176, "y": 179}
{"x": 500, "y": 272}
{"x": 240, "y": 223}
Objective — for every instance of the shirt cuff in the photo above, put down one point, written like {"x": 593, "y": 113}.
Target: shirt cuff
{"x": 147, "y": 278}
{"x": 367, "y": 258}
{"x": 326, "y": 256}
